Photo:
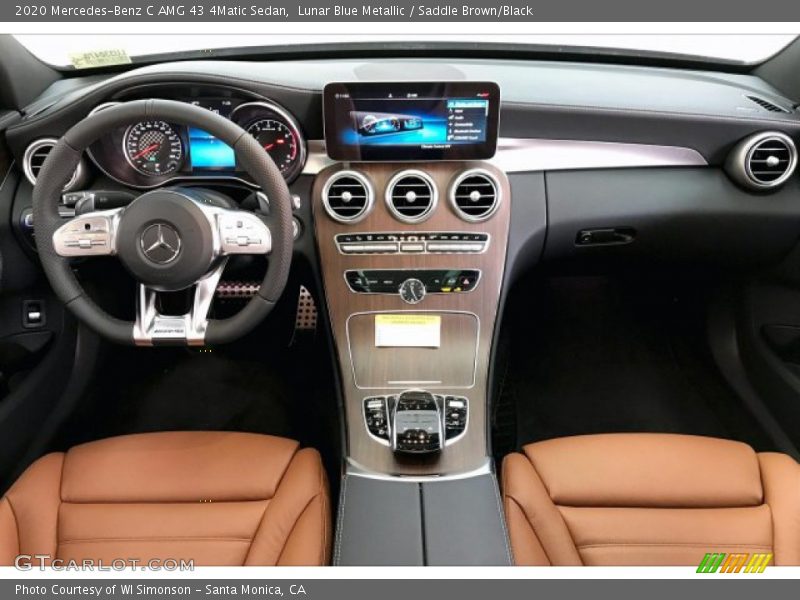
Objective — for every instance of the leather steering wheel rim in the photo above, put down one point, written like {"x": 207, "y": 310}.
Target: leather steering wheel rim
{"x": 63, "y": 160}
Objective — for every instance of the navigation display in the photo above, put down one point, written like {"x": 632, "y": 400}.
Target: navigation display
{"x": 411, "y": 121}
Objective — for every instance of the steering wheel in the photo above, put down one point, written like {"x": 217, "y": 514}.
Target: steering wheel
{"x": 170, "y": 239}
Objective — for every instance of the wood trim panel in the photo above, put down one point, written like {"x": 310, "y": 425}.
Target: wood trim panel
{"x": 470, "y": 451}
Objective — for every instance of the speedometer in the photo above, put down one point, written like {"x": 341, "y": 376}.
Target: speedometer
{"x": 279, "y": 141}
{"x": 153, "y": 148}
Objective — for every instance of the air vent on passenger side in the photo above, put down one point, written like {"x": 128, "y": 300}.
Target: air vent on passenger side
{"x": 475, "y": 195}
{"x": 34, "y": 158}
{"x": 767, "y": 105}
{"x": 348, "y": 196}
{"x": 411, "y": 196}
{"x": 763, "y": 161}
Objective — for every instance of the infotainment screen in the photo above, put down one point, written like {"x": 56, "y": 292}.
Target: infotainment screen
{"x": 411, "y": 121}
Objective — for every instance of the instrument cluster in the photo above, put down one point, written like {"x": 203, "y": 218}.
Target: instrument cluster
{"x": 151, "y": 153}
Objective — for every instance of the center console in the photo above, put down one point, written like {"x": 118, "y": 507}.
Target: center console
{"x": 412, "y": 305}
{"x": 412, "y": 227}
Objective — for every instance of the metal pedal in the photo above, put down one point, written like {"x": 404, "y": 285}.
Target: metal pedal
{"x": 305, "y": 320}
{"x": 306, "y": 317}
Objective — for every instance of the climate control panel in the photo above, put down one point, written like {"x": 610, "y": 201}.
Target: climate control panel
{"x": 398, "y": 281}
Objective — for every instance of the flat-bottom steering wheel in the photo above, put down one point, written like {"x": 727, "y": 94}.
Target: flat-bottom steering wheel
{"x": 170, "y": 238}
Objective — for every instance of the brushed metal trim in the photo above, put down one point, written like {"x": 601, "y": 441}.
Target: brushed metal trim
{"x": 521, "y": 155}
{"x": 355, "y": 469}
{"x": 317, "y": 159}
{"x": 516, "y": 155}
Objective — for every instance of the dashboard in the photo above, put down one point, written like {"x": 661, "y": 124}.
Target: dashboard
{"x": 418, "y": 201}
{"x": 597, "y": 150}
{"x": 151, "y": 153}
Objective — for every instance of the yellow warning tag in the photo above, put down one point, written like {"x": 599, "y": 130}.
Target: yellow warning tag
{"x": 99, "y": 58}
{"x": 408, "y": 330}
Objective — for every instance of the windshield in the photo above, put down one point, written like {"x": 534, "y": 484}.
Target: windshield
{"x": 71, "y": 50}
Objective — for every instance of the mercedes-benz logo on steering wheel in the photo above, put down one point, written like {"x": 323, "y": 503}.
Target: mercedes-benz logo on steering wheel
{"x": 161, "y": 243}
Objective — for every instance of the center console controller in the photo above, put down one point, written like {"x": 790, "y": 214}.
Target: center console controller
{"x": 416, "y": 421}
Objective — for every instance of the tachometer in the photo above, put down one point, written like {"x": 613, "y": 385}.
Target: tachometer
{"x": 280, "y": 141}
{"x": 153, "y": 148}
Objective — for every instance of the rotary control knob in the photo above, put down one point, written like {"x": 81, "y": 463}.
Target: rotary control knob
{"x": 412, "y": 290}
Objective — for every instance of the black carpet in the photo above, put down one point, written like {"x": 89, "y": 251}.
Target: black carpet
{"x": 261, "y": 384}
{"x": 599, "y": 355}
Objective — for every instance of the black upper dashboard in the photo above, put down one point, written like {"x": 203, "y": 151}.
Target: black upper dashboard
{"x": 706, "y": 111}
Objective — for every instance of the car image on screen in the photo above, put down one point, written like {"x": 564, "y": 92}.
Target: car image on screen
{"x": 374, "y": 123}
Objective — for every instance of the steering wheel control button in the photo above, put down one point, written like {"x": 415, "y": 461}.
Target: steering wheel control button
{"x": 243, "y": 233}
{"x": 161, "y": 243}
{"x": 90, "y": 235}
{"x": 412, "y": 291}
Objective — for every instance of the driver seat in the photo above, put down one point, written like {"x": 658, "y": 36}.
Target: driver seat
{"x": 217, "y": 498}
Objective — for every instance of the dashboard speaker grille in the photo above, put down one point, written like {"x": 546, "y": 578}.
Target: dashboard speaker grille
{"x": 770, "y": 160}
{"x": 767, "y": 105}
{"x": 475, "y": 195}
{"x": 411, "y": 196}
{"x": 348, "y": 196}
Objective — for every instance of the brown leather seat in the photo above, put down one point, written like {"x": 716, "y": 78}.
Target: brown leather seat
{"x": 649, "y": 499}
{"x": 218, "y": 498}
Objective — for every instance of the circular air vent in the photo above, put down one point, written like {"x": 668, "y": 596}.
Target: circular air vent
{"x": 475, "y": 195}
{"x": 348, "y": 196}
{"x": 411, "y": 196}
{"x": 34, "y": 158}
{"x": 763, "y": 161}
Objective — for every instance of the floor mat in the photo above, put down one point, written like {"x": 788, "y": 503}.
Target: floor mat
{"x": 172, "y": 389}
{"x": 597, "y": 355}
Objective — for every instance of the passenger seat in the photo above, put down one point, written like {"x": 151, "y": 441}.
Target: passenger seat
{"x": 649, "y": 499}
